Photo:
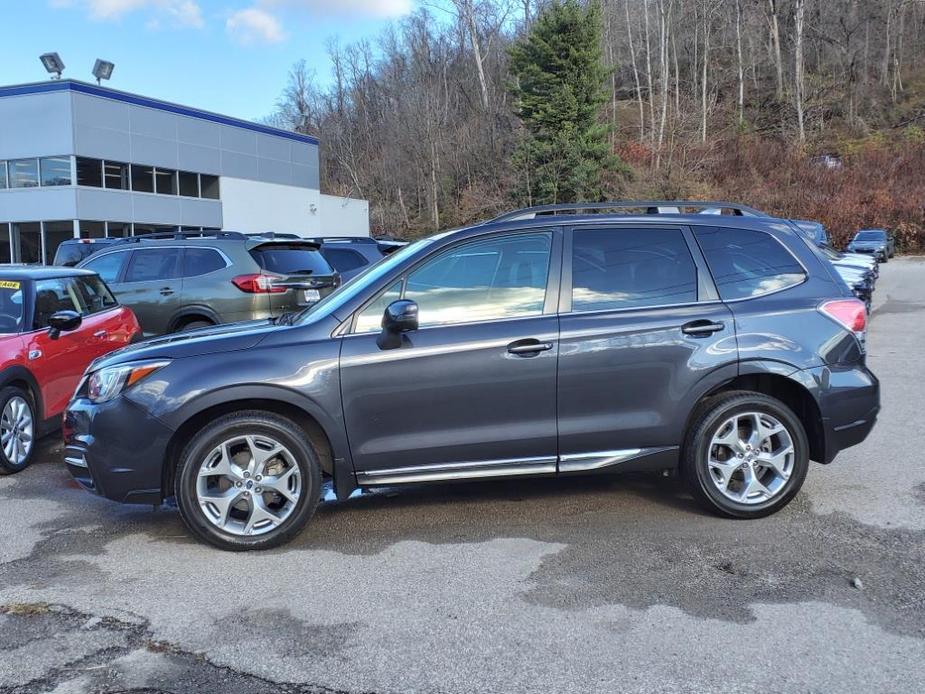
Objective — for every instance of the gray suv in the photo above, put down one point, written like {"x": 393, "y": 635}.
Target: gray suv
{"x": 180, "y": 282}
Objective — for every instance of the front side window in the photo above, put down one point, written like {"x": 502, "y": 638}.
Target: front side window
{"x": 631, "y": 268}
{"x": 94, "y": 295}
{"x": 202, "y": 261}
{"x": 484, "y": 280}
{"x": 747, "y": 263}
{"x": 152, "y": 264}
{"x": 24, "y": 173}
{"x": 107, "y": 266}
{"x": 369, "y": 320}
{"x": 55, "y": 295}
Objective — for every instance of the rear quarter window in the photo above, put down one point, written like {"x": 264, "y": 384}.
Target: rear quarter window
{"x": 746, "y": 263}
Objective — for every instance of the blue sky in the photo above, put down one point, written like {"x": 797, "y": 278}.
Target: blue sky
{"x": 229, "y": 56}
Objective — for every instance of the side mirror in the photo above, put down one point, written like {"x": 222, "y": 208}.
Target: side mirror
{"x": 62, "y": 322}
{"x": 399, "y": 317}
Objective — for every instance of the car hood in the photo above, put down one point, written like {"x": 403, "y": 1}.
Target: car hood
{"x": 215, "y": 340}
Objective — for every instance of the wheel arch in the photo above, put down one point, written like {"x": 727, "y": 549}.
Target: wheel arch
{"x": 320, "y": 432}
{"x": 21, "y": 377}
{"x": 774, "y": 380}
{"x": 185, "y": 314}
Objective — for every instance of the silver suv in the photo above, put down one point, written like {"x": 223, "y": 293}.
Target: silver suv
{"x": 176, "y": 282}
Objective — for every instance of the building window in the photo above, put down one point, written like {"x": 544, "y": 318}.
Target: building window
{"x": 142, "y": 229}
{"x": 118, "y": 229}
{"x": 27, "y": 238}
{"x": 189, "y": 184}
{"x": 24, "y": 173}
{"x": 3, "y": 183}
{"x": 56, "y": 171}
{"x": 142, "y": 179}
{"x": 92, "y": 230}
{"x": 5, "y": 254}
{"x": 208, "y": 186}
{"x": 56, "y": 233}
{"x": 165, "y": 182}
{"x": 116, "y": 175}
{"x": 89, "y": 172}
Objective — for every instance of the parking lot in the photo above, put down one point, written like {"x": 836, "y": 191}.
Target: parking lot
{"x": 598, "y": 584}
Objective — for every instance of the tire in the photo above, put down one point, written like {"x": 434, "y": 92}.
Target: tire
{"x": 266, "y": 432}
{"x": 195, "y": 325}
{"x": 17, "y": 417}
{"x": 706, "y": 477}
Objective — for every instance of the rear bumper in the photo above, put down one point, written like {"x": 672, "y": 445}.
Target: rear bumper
{"x": 129, "y": 467}
{"x": 849, "y": 400}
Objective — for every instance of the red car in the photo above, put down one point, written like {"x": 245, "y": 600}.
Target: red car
{"x": 53, "y": 322}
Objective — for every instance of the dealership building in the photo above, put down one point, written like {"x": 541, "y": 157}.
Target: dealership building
{"x": 82, "y": 161}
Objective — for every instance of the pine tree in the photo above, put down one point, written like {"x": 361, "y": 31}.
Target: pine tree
{"x": 559, "y": 88}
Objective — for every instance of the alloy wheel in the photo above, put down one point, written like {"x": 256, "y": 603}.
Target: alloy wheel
{"x": 249, "y": 485}
{"x": 751, "y": 457}
{"x": 16, "y": 430}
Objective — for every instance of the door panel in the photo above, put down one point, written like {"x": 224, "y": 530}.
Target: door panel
{"x": 150, "y": 286}
{"x": 628, "y": 379}
{"x": 636, "y": 348}
{"x": 451, "y": 394}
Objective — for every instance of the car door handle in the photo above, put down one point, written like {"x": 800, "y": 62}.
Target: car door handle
{"x": 100, "y": 333}
{"x": 525, "y": 348}
{"x": 166, "y": 291}
{"x": 701, "y": 328}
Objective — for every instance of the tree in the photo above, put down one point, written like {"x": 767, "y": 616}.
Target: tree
{"x": 559, "y": 87}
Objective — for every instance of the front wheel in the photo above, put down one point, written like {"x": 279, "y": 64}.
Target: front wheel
{"x": 249, "y": 480}
{"x": 17, "y": 430}
{"x": 746, "y": 456}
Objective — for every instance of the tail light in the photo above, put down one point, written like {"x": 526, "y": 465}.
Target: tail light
{"x": 850, "y": 313}
{"x": 258, "y": 284}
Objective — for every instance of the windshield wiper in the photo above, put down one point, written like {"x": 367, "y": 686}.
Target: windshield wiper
{"x": 284, "y": 319}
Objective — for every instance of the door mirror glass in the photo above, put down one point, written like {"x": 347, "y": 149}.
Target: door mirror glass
{"x": 399, "y": 317}
{"x": 63, "y": 321}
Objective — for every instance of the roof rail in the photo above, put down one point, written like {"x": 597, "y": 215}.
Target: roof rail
{"x": 342, "y": 239}
{"x": 273, "y": 235}
{"x": 180, "y": 235}
{"x": 650, "y": 207}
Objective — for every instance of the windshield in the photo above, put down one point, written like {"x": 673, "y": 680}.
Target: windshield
{"x": 291, "y": 260}
{"x": 329, "y": 304}
{"x": 10, "y": 307}
{"x": 870, "y": 236}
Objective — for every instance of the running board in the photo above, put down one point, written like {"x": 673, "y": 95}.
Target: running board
{"x": 514, "y": 467}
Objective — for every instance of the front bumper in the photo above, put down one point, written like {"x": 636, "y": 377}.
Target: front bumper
{"x": 116, "y": 449}
{"x": 849, "y": 400}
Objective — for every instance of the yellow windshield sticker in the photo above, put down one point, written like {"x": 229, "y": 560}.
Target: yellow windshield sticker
{"x": 9, "y": 284}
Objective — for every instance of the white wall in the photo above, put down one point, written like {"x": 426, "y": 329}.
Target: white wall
{"x": 344, "y": 216}
{"x": 254, "y": 207}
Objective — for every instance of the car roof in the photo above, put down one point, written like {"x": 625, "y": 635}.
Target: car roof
{"x": 40, "y": 272}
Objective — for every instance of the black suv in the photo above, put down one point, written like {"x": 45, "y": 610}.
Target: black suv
{"x": 551, "y": 341}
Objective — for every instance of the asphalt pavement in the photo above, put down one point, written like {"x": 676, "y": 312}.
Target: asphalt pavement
{"x": 602, "y": 584}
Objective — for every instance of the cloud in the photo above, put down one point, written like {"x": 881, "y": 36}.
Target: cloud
{"x": 185, "y": 13}
{"x": 254, "y": 25}
{"x": 367, "y": 9}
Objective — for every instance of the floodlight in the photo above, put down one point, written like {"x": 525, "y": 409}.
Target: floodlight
{"x": 53, "y": 63}
{"x": 102, "y": 70}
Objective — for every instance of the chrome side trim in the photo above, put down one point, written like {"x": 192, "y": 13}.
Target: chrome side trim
{"x": 583, "y": 462}
{"x": 77, "y": 462}
{"x": 459, "y": 471}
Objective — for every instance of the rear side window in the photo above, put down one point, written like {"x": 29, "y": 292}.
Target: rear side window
{"x": 107, "y": 266}
{"x": 94, "y": 294}
{"x": 291, "y": 260}
{"x": 747, "y": 263}
{"x": 202, "y": 261}
{"x": 631, "y": 268}
{"x": 153, "y": 264}
{"x": 343, "y": 259}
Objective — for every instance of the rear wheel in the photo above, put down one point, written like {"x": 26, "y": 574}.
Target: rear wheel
{"x": 195, "y": 325}
{"x": 746, "y": 456}
{"x": 249, "y": 480}
{"x": 17, "y": 430}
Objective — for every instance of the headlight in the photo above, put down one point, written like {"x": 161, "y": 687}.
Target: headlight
{"x": 106, "y": 384}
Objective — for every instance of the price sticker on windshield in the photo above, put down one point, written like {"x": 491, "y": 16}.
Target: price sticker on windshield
{"x": 9, "y": 284}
